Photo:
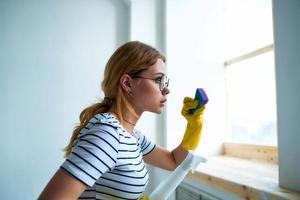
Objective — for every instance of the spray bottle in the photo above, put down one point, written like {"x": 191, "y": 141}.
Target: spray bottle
{"x": 164, "y": 189}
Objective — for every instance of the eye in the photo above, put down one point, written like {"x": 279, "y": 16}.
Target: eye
{"x": 158, "y": 79}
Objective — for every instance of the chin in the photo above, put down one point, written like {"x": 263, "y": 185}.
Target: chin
{"x": 158, "y": 111}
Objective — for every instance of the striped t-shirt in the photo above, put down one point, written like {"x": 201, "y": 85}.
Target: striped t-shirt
{"x": 109, "y": 160}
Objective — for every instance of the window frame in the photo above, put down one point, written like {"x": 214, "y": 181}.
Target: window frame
{"x": 240, "y": 58}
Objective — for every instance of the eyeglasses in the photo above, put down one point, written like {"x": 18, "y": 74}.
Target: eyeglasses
{"x": 162, "y": 81}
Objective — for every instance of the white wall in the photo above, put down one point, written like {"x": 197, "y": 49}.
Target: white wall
{"x": 52, "y": 56}
{"x": 287, "y": 65}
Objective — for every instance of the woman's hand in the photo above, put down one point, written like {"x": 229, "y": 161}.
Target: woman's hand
{"x": 193, "y": 129}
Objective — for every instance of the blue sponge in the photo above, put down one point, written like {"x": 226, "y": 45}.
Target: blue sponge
{"x": 202, "y": 99}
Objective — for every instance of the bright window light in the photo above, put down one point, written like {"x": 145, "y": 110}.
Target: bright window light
{"x": 248, "y": 26}
{"x": 251, "y": 99}
{"x": 250, "y": 72}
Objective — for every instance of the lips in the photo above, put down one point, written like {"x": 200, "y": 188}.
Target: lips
{"x": 163, "y": 101}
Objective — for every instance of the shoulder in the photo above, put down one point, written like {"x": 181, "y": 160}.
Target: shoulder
{"x": 140, "y": 137}
{"x": 95, "y": 151}
{"x": 145, "y": 143}
{"x": 103, "y": 125}
{"x": 105, "y": 120}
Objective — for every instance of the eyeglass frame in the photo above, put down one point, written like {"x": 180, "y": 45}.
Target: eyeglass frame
{"x": 162, "y": 84}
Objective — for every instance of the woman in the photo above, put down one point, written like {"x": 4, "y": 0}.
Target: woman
{"x": 106, "y": 154}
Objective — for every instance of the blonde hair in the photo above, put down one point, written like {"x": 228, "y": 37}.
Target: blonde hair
{"x": 130, "y": 58}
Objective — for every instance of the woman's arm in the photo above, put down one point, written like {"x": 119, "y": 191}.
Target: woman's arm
{"x": 165, "y": 159}
{"x": 62, "y": 186}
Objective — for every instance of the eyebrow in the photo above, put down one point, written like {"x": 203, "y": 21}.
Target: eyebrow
{"x": 159, "y": 73}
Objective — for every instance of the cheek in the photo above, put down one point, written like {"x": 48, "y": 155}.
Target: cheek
{"x": 147, "y": 92}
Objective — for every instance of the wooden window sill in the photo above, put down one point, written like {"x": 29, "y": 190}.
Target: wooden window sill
{"x": 247, "y": 178}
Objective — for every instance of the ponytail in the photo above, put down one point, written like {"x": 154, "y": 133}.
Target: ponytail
{"x": 85, "y": 117}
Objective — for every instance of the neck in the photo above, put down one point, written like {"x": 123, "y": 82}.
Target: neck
{"x": 133, "y": 124}
{"x": 128, "y": 120}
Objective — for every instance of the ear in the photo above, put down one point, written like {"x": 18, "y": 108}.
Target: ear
{"x": 125, "y": 82}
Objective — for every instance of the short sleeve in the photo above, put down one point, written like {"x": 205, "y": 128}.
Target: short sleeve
{"x": 145, "y": 144}
{"x": 93, "y": 154}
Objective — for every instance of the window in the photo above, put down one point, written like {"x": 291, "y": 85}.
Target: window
{"x": 250, "y": 72}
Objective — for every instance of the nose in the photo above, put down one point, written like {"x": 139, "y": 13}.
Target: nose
{"x": 165, "y": 91}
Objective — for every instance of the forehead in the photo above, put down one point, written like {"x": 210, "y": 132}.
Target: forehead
{"x": 158, "y": 67}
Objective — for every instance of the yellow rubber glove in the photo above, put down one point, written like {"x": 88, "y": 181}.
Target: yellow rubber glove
{"x": 144, "y": 197}
{"x": 193, "y": 129}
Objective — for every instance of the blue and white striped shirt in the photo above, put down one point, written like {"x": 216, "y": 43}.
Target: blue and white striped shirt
{"x": 109, "y": 160}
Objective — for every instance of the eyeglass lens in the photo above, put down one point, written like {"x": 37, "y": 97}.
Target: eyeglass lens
{"x": 164, "y": 82}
